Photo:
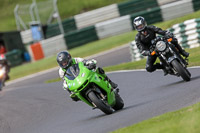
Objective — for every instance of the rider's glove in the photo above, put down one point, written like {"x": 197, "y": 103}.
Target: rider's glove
{"x": 65, "y": 86}
{"x": 91, "y": 64}
{"x": 169, "y": 34}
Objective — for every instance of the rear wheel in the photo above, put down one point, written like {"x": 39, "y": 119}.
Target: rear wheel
{"x": 185, "y": 74}
{"x": 119, "y": 102}
{"x": 101, "y": 104}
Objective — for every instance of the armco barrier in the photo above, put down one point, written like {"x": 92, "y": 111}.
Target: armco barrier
{"x": 188, "y": 33}
{"x": 95, "y": 16}
{"x": 135, "y": 54}
{"x": 53, "y": 29}
{"x": 176, "y": 9}
{"x": 152, "y": 15}
{"x": 196, "y": 4}
{"x": 134, "y": 6}
{"x": 26, "y": 36}
{"x": 80, "y": 37}
{"x": 69, "y": 25}
{"x": 113, "y": 27}
{"x": 53, "y": 45}
{"x": 163, "y": 2}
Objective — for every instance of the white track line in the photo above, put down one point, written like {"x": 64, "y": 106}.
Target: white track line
{"x": 47, "y": 71}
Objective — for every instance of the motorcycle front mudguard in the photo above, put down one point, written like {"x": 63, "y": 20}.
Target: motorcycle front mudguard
{"x": 170, "y": 59}
{"x": 101, "y": 85}
{"x": 105, "y": 86}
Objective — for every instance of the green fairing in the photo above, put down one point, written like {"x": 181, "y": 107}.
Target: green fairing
{"x": 86, "y": 77}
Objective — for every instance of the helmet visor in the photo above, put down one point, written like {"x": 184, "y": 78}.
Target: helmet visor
{"x": 64, "y": 63}
{"x": 140, "y": 27}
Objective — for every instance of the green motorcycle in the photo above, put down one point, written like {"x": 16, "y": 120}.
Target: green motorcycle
{"x": 92, "y": 88}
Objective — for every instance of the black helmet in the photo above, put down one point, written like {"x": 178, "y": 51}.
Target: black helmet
{"x": 139, "y": 23}
{"x": 64, "y": 59}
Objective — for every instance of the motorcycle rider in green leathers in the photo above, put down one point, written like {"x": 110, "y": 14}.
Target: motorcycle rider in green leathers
{"x": 65, "y": 60}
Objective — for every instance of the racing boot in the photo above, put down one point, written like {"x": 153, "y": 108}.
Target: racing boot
{"x": 114, "y": 85}
{"x": 165, "y": 72}
{"x": 7, "y": 77}
{"x": 182, "y": 51}
{"x": 160, "y": 66}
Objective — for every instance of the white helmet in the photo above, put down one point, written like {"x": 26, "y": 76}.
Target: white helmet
{"x": 139, "y": 23}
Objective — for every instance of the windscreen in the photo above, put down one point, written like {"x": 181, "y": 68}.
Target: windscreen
{"x": 72, "y": 72}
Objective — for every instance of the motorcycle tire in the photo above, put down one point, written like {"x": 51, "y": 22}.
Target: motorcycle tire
{"x": 181, "y": 70}
{"x": 96, "y": 99}
{"x": 188, "y": 72}
{"x": 119, "y": 102}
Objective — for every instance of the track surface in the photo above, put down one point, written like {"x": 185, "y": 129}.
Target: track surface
{"x": 46, "y": 108}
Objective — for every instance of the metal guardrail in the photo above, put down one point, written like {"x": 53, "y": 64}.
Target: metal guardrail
{"x": 188, "y": 33}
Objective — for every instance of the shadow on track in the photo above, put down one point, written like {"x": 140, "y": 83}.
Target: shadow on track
{"x": 195, "y": 78}
{"x": 173, "y": 84}
{"x": 134, "y": 106}
{"x": 179, "y": 82}
{"x": 125, "y": 108}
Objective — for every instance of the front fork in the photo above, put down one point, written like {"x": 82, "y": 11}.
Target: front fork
{"x": 166, "y": 61}
{"x": 175, "y": 52}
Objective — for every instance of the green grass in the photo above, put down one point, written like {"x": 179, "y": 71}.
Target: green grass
{"x": 67, "y": 8}
{"x": 92, "y": 48}
{"x": 185, "y": 120}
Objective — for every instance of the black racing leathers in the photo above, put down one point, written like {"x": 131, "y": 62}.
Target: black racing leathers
{"x": 143, "y": 43}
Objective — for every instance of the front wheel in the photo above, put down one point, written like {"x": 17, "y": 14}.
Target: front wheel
{"x": 101, "y": 104}
{"x": 181, "y": 70}
{"x": 119, "y": 102}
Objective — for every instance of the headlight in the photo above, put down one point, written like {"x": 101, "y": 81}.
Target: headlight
{"x": 1, "y": 72}
{"x": 161, "y": 46}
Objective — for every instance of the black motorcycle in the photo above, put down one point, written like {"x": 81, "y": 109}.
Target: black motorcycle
{"x": 170, "y": 57}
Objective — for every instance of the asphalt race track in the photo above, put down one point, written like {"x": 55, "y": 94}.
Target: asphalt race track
{"x": 47, "y": 108}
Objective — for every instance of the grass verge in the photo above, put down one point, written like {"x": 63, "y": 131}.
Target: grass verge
{"x": 90, "y": 49}
{"x": 185, "y": 120}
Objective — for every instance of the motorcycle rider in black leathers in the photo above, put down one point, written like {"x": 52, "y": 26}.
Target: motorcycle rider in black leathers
{"x": 143, "y": 42}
